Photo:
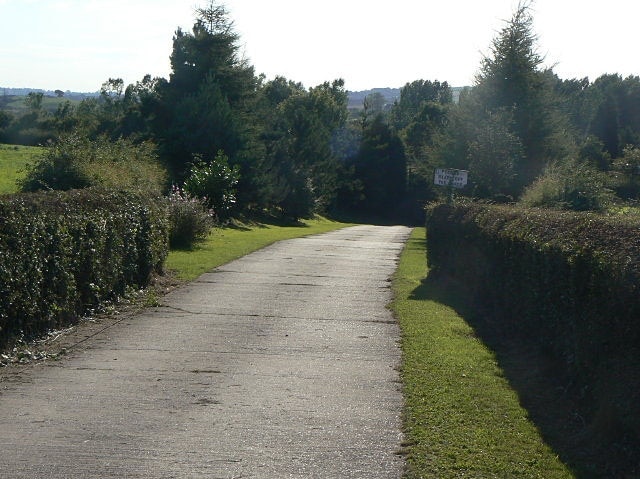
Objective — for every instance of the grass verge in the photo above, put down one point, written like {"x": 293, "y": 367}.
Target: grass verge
{"x": 462, "y": 419}
{"x": 226, "y": 244}
{"x": 13, "y": 159}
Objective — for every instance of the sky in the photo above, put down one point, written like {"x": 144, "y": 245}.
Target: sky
{"x": 77, "y": 45}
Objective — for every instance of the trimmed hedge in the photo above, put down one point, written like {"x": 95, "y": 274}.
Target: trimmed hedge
{"x": 568, "y": 282}
{"x": 64, "y": 253}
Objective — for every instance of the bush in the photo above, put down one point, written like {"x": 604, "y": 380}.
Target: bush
{"x": 190, "y": 219}
{"x": 569, "y": 185}
{"x": 75, "y": 161}
{"x": 567, "y": 282}
{"x": 214, "y": 183}
{"x": 626, "y": 174}
{"x": 62, "y": 254}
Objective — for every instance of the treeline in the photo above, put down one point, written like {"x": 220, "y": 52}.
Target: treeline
{"x": 525, "y": 135}
{"x": 275, "y": 146}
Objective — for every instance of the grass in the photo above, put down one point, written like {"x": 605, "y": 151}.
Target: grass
{"x": 462, "y": 418}
{"x": 16, "y": 103}
{"x": 13, "y": 159}
{"x": 624, "y": 210}
{"x": 226, "y": 244}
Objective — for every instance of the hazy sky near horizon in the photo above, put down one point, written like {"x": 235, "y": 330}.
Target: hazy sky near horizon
{"x": 78, "y": 44}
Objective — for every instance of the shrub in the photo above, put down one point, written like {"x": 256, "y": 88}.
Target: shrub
{"x": 190, "y": 219}
{"x": 626, "y": 174}
{"x": 62, "y": 254}
{"x": 567, "y": 282}
{"x": 214, "y": 183}
{"x": 569, "y": 185}
{"x": 75, "y": 161}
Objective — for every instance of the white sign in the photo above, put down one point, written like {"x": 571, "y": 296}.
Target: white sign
{"x": 449, "y": 177}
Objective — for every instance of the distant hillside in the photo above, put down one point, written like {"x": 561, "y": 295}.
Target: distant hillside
{"x": 70, "y": 95}
{"x": 10, "y": 98}
{"x": 356, "y": 98}
{"x": 13, "y": 99}
{"x": 455, "y": 92}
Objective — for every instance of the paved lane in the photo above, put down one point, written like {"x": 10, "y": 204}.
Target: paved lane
{"x": 282, "y": 364}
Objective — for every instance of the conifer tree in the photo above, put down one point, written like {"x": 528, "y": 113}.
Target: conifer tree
{"x": 511, "y": 81}
{"x": 209, "y": 98}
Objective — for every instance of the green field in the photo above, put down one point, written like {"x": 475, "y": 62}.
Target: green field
{"x": 16, "y": 104}
{"x": 13, "y": 159}
{"x": 462, "y": 418}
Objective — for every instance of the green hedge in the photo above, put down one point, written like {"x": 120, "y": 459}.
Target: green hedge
{"x": 568, "y": 282}
{"x": 64, "y": 253}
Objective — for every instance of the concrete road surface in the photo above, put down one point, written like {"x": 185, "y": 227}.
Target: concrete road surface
{"x": 282, "y": 364}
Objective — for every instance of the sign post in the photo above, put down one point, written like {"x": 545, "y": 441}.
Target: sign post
{"x": 451, "y": 178}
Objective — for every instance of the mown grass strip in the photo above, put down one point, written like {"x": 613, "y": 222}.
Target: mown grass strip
{"x": 462, "y": 419}
{"x": 226, "y": 244}
{"x": 13, "y": 160}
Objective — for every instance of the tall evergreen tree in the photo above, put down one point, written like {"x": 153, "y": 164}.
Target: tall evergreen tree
{"x": 381, "y": 168}
{"x": 493, "y": 154}
{"x": 512, "y": 79}
{"x": 209, "y": 100}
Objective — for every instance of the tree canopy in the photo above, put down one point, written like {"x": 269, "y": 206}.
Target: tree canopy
{"x": 292, "y": 151}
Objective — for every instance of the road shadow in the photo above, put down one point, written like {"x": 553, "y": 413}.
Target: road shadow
{"x": 261, "y": 220}
{"x": 552, "y": 398}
